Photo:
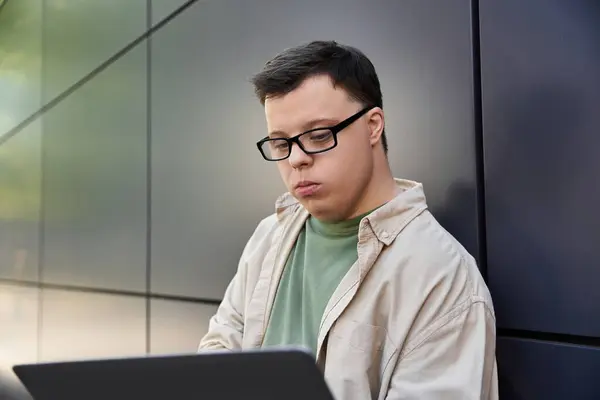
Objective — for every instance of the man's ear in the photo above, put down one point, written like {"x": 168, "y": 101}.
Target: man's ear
{"x": 376, "y": 123}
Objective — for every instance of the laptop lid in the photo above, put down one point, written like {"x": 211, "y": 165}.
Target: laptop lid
{"x": 289, "y": 374}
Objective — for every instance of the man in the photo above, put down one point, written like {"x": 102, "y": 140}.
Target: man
{"x": 352, "y": 265}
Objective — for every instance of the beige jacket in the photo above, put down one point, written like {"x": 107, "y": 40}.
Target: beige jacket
{"x": 412, "y": 318}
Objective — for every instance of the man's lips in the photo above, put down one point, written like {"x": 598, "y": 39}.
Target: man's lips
{"x": 306, "y": 188}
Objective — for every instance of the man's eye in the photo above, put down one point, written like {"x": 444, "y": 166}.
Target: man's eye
{"x": 320, "y": 136}
{"x": 279, "y": 145}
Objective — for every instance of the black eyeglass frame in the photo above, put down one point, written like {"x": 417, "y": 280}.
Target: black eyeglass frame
{"x": 296, "y": 139}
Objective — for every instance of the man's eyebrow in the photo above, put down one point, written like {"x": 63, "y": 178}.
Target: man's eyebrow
{"x": 320, "y": 123}
{"x": 277, "y": 134}
{"x": 313, "y": 123}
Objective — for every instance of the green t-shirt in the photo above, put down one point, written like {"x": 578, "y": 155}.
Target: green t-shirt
{"x": 322, "y": 255}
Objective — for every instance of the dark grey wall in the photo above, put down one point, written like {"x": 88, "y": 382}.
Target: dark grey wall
{"x": 210, "y": 185}
{"x": 541, "y": 114}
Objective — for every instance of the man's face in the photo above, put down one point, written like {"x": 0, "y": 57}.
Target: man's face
{"x": 333, "y": 183}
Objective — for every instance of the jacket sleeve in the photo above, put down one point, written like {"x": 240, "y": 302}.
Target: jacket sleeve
{"x": 453, "y": 359}
{"x": 226, "y": 327}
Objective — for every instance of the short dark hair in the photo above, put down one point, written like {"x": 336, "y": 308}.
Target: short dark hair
{"x": 347, "y": 66}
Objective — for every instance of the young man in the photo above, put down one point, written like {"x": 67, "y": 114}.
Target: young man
{"x": 353, "y": 265}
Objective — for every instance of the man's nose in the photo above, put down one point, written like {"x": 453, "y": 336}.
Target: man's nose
{"x": 298, "y": 158}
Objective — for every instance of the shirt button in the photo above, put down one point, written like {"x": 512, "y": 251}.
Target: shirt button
{"x": 384, "y": 235}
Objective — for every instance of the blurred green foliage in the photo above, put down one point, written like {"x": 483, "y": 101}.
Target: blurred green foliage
{"x": 20, "y": 37}
{"x": 91, "y": 137}
{"x": 20, "y": 70}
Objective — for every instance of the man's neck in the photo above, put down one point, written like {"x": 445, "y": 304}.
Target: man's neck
{"x": 381, "y": 190}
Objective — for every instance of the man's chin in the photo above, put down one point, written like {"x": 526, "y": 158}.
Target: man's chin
{"x": 321, "y": 210}
{"x": 312, "y": 205}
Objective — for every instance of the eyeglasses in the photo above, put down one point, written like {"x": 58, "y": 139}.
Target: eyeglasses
{"x": 314, "y": 141}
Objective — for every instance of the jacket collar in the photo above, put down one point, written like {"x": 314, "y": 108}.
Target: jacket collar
{"x": 386, "y": 222}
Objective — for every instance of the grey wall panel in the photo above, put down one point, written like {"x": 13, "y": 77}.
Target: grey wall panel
{"x": 95, "y": 181}
{"x": 19, "y": 325}
{"x": 20, "y": 68}
{"x": 18, "y": 336}
{"x": 20, "y": 204}
{"x": 210, "y": 184}
{"x": 177, "y": 326}
{"x": 79, "y": 325}
{"x": 79, "y": 35}
{"x": 541, "y": 91}
{"x": 530, "y": 369}
{"x": 162, "y": 8}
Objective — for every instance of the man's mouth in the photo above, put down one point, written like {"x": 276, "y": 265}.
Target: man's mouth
{"x": 306, "y": 188}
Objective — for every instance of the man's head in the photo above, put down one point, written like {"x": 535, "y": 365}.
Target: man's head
{"x": 324, "y": 85}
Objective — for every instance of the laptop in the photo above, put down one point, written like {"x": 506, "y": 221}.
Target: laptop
{"x": 289, "y": 374}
